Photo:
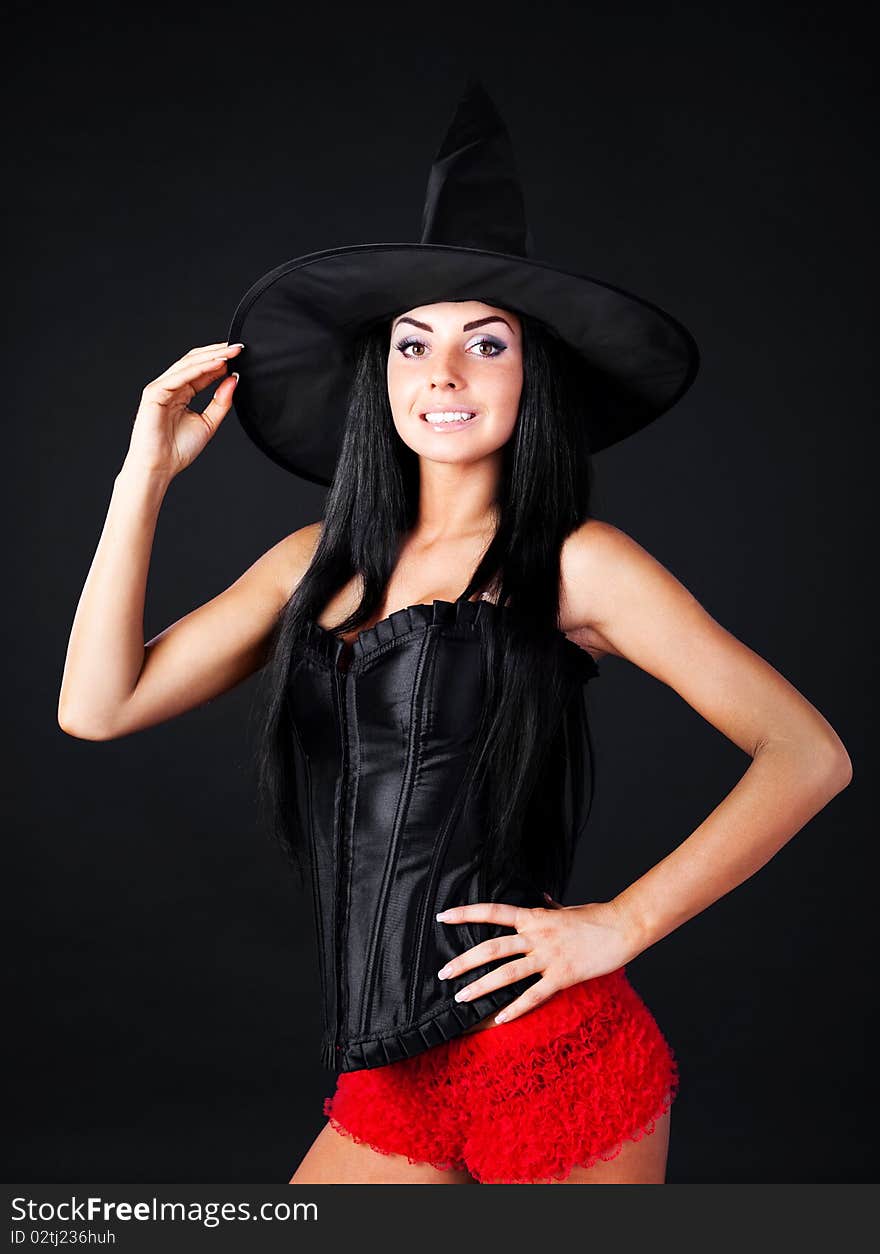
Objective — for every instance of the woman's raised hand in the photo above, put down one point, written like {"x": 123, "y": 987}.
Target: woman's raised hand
{"x": 167, "y": 436}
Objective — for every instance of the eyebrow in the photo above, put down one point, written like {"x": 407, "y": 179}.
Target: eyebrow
{"x": 468, "y": 326}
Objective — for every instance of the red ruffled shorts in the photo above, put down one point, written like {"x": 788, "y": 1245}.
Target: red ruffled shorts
{"x": 561, "y": 1086}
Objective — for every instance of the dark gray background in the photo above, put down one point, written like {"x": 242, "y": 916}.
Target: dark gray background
{"x": 163, "y": 992}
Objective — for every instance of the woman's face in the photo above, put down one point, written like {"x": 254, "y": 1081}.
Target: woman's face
{"x": 455, "y": 356}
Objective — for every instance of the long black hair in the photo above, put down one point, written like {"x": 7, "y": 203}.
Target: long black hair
{"x": 543, "y": 494}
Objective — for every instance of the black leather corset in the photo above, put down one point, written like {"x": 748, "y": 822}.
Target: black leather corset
{"x": 384, "y": 751}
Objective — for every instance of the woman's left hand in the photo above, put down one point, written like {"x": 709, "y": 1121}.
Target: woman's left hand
{"x": 565, "y": 944}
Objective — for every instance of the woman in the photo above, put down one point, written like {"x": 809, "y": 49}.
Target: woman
{"x": 368, "y": 633}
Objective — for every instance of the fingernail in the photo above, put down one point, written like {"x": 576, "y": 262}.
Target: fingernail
{"x": 234, "y": 375}
{"x": 442, "y": 915}
{"x": 502, "y": 1018}
{"x": 462, "y": 995}
{"x": 442, "y": 975}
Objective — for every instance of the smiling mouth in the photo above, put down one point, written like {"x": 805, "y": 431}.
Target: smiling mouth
{"x": 449, "y": 418}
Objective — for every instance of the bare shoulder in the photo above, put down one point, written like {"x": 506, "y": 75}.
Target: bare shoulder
{"x": 593, "y": 543}
{"x": 292, "y": 557}
{"x": 595, "y": 559}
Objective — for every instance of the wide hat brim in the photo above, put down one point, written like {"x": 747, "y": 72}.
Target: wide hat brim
{"x": 300, "y": 320}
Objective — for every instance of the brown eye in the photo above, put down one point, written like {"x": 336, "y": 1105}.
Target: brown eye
{"x": 497, "y": 348}
{"x": 403, "y": 345}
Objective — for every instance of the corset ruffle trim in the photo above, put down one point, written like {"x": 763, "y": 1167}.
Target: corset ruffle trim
{"x": 449, "y": 1021}
{"x": 459, "y": 616}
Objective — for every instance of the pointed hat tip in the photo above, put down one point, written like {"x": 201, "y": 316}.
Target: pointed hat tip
{"x": 475, "y": 108}
{"x": 474, "y": 87}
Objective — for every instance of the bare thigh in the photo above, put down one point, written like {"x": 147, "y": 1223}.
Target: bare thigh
{"x": 337, "y": 1159}
{"x": 639, "y": 1162}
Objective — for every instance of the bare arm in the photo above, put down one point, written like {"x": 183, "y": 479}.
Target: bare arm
{"x": 630, "y": 605}
{"x": 113, "y": 683}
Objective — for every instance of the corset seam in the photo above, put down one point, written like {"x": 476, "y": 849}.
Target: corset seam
{"x": 429, "y": 895}
{"x": 438, "y": 859}
{"x": 342, "y": 870}
{"x": 413, "y": 755}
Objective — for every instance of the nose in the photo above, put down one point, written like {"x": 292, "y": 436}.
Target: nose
{"x": 444, "y": 373}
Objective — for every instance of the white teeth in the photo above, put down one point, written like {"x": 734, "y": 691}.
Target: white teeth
{"x": 457, "y": 416}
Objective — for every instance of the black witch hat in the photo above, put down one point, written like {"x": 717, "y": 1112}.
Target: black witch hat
{"x": 299, "y": 322}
